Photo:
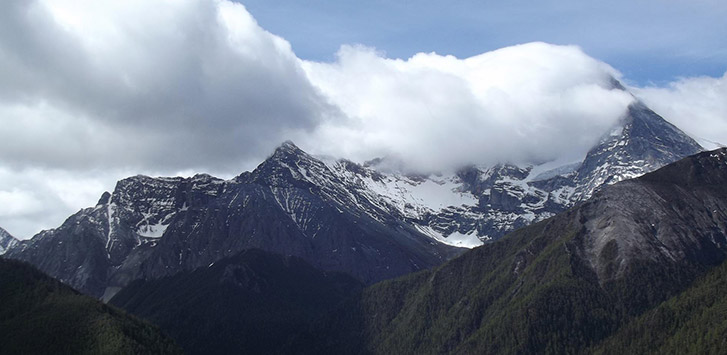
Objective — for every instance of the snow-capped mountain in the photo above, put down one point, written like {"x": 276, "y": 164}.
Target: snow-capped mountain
{"x": 7, "y": 241}
{"x": 336, "y": 214}
{"x": 509, "y": 197}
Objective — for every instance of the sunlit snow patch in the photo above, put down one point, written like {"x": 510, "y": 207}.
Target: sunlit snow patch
{"x": 456, "y": 239}
{"x": 152, "y": 230}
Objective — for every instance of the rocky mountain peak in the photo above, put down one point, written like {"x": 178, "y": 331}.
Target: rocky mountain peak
{"x": 289, "y": 165}
{"x": 288, "y": 145}
{"x": 640, "y": 143}
{"x": 288, "y": 152}
{"x": 7, "y": 241}
{"x": 104, "y": 199}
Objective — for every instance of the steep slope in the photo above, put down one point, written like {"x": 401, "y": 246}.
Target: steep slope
{"x": 39, "y": 315}
{"x": 557, "y": 286}
{"x": 292, "y": 204}
{"x": 692, "y": 322}
{"x": 252, "y": 302}
{"x": 7, "y": 241}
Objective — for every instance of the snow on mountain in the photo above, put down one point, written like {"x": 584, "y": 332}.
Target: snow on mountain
{"x": 7, "y": 241}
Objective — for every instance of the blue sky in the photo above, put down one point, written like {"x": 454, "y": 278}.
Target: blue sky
{"x": 649, "y": 41}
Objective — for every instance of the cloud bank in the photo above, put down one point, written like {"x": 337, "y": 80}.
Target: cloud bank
{"x": 527, "y": 103}
{"x": 96, "y": 91}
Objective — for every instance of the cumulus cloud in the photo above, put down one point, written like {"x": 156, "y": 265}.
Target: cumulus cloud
{"x": 526, "y": 103}
{"x": 696, "y": 105}
{"x": 139, "y": 83}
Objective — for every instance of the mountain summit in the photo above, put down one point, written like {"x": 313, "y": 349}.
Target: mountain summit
{"x": 641, "y": 142}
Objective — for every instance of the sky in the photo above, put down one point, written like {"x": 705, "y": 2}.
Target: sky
{"x": 93, "y": 92}
{"x": 647, "y": 40}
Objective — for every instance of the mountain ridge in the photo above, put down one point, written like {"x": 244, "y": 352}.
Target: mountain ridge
{"x": 559, "y": 285}
{"x": 154, "y": 227}
{"x": 336, "y": 214}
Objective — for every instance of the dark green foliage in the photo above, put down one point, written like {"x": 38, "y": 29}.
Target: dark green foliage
{"x": 39, "y": 315}
{"x": 694, "y": 322}
{"x": 253, "y": 302}
{"x": 526, "y": 294}
{"x": 523, "y": 294}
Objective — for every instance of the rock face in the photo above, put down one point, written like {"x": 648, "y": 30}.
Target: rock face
{"x": 675, "y": 215}
{"x": 640, "y": 143}
{"x": 561, "y": 285}
{"x": 7, "y": 241}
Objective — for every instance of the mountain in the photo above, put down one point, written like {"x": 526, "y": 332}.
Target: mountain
{"x": 641, "y": 142}
{"x": 7, "y": 241}
{"x": 39, "y": 315}
{"x": 336, "y": 214}
{"x": 510, "y": 196}
{"x": 558, "y": 286}
{"x": 292, "y": 204}
{"x": 253, "y": 302}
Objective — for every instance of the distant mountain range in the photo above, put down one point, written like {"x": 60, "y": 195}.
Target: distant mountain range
{"x": 335, "y": 214}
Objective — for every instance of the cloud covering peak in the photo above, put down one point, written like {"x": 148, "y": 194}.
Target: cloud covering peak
{"x": 530, "y": 102}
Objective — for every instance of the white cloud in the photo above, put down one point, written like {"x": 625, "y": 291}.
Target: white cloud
{"x": 696, "y": 105}
{"x": 33, "y": 199}
{"x": 162, "y": 83}
{"x": 523, "y": 103}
